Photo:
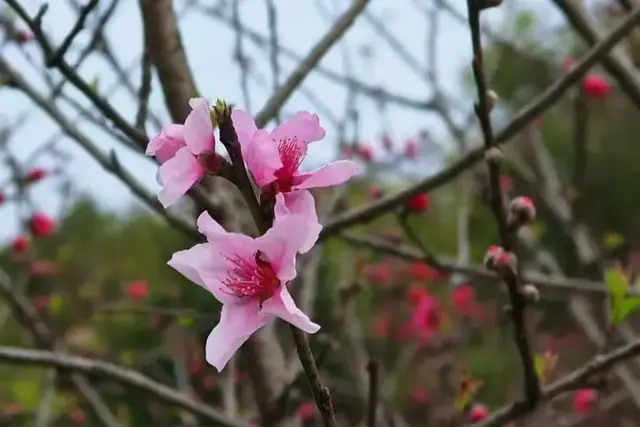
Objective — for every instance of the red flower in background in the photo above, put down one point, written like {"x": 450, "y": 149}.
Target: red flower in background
{"x": 3, "y": 197}
{"x": 425, "y": 273}
{"x": 420, "y": 395}
{"x": 23, "y": 37}
{"x": 596, "y": 86}
{"x": 478, "y": 412}
{"x": 78, "y": 416}
{"x": 404, "y": 332}
{"x": 42, "y": 225}
{"x": 374, "y": 192}
{"x": 307, "y": 410}
{"x": 506, "y": 183}
{"x": 417, "y": 294}
{"x": 208, "y": 382}
{"x": 20, "y": 244}
{"x": 585, "y": 400}
{"x": 138, "y": 291}
{"x": 418, "y": 203}
{"x": 42, "y": 267}
{"x": 366, "y": 152}
{"x": 426, "y": 318}
{"x": 463, "y": 298}
{"x": 13, "y": 408}
{"x": 35, "y": 175}
{"x": 381, "y": 326}
{"x": 379, "y": 274}
{"x": 41, "y": 302}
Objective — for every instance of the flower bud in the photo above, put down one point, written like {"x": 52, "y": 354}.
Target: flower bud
{"x": 530, "y": 292}
{"x": 492, "y": 99}
{"x": 522, "y": 210}
{"x": 478, "y": 412}
{"x": 493, "y": 155}
{"x": 497, "y": 259}
{"x": 418, "y": 203}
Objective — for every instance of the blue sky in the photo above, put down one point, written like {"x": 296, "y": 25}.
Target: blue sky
{"x": 210, "y": 46}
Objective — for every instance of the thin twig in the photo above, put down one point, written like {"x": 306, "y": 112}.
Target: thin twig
{"x": 521, "y": 120}
{"x": 54, "y": 59}
{"x": 374, "y": 386}
{"x": 335, "y": 33}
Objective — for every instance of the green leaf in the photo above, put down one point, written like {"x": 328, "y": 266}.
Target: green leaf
{"x": 616, "y": 283}
{"x": 628, "y": 306}
{"x": 611, "y": 240}
{"x": 94, "y": 84}
{"x": 524, "y": 22}
{"x": 538, "y": 363}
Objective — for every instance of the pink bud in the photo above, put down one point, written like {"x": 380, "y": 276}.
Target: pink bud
{"x": 41, "y": 302}
{"x": 418, "y": 203}
{"x": 375, "y": 192}
{"x": 522, "y": 209}
{"x": 42, "y": 225}
{"x": 23, "y": 37}
{"x": 42, "y": 268}
{"x": 584, "y": 400}
{"x": 463, "y": 298}
{"x": 478, "y": 412}
{"x": 596, "y": 86}
{"x": 387, "y": 142}
{"x": 496, "y": 258}
{"x": 3, "y": 197}
{"x": 411, "y": 149}
{"x": 569, "y": 64}
{"x": 366, "y": 152}
{"x": 425, "y": 273}
{"x": 20, "y": 244}
{"x": 506, "y": 183}
{"x": 35, "y": 175}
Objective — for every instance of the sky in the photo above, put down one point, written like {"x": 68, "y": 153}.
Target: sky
{"x": 210, "y": 46}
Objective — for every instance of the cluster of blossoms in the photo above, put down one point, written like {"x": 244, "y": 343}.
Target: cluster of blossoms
{"x": 249, "y": 276}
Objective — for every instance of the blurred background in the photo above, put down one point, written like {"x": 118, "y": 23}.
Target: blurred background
{"x": 395, "y": 94}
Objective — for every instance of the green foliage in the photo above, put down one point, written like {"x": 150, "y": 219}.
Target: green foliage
{"x": 621, "y": 305}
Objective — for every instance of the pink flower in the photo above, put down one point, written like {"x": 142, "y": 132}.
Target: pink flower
{"x": 300, "y": 203}
{"x": 584, "y": 400}
{"x": 425, "y": 319}
{"x": 418, "y": 203}
{"x": 463, "y": 298}
{"x": 379, "y": 274}
{"x": 42, "y": 225}
{"x": 596, "y": 86}
{"x": 275, "y": 157}
{"x": 425, "y": 273}
{"x": 569, "y": 64}
{"x": 365, "y": 151}
{"x": 478, "y": 412}
{"x": 3, "y": 197}
{"x": 185, "y": 152}
{"x": 387, "y": 142}
{"x": 20, "y": 244}
{"x": 249, "y": 277}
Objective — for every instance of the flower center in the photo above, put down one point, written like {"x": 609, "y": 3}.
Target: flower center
{"x": 210, "y": 162}
{"x": 291, "y": 154}
{"x": 252, "y": 278}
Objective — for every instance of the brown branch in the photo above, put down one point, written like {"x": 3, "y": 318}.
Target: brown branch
{"x": 125, "y": 376}
{"x": 335, "y": 33}
{"x": 28, "y": 316}
{"x": 615, "y": 62}
{"x": 518, "y": 300}
{"x": 374, "y": 391}
{"x": 57, "y": 56}
{"x": 164, "y": 45}
{"x": 569, "y": 382}
{"x": 538, "y": 106}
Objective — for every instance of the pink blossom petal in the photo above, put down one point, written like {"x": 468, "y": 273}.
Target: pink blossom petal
{"x": 283, "y": 306}
{"x": 282, "y": 242}
{"x": 303, "y": 125}
{"x": 178, "y": 175}
{"x": 209, "y": 227}
{"x": 203, "y": 267}
{"x": 237, "y": 323}
{"x": 263, "y": 158}
{"x": 198, "y": 129}
{"x": 300, "y": 203}
{"x": 244, "y": 125}
{"x": 332, "y": 174}
{"x": 165, "y": 145}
